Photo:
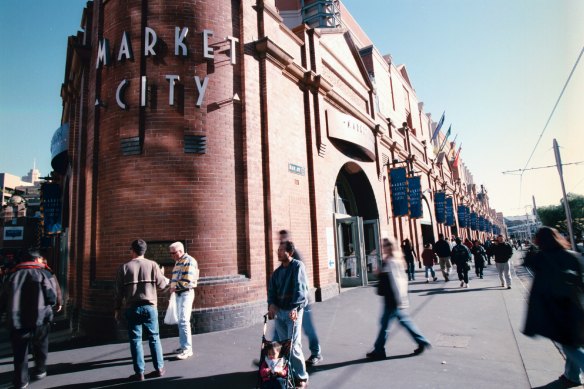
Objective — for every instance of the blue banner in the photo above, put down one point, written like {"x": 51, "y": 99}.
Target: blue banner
{"x": 449, "y": 209}
{"x": 462, "y": 216}
{"x": 51, "y": 208}
{"x": 481, "y": 223}
{"x": 473, "y": 221}
{"x": 399, "y": 192}
{"x": 415, "y": 197}
{"x": 440, "y": 206}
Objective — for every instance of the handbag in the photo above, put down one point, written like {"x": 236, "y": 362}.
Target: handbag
{"x": 171, "y": 316}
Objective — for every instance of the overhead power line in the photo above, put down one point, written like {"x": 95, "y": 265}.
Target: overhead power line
{"x": 554, "y": 109}
{"x": 541, "y": 167}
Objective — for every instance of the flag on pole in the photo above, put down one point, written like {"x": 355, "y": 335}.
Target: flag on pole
{"x": 438, "y": 127}
{"x": 455, "y": 163}
{"x": 445, "y": 139}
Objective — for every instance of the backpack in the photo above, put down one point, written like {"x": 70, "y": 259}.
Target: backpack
{"x": 460, "y": 254}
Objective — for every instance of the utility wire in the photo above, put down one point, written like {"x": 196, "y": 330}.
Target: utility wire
{"x": 541, "y": 167}
{"x": 554, "y": 110}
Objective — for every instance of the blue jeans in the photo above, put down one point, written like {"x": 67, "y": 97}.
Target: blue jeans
{"x": 404, "y": 320}
{"x": 147, "y": 316}
{"x": 285, "y": 328}
{"x": 411, "y": 270}
{"x": 574, "y": 362}
{"x": 430, "y": 270}
{"x": 310, "y": 332}
{"x": 184, "y": 307}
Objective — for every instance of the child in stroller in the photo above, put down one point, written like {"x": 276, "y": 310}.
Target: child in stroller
{"x": 275, "y": 370}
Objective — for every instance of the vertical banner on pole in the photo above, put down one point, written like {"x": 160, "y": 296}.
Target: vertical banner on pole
{"x": 473, "y": 221}
{"x": 51, "y": 208}
{"x": 415, "y": 197}
{"x": 440, "y": 206}
{"x": 461, "y": 216}
{"x": 399, "y": 192}
{"x": 449, "y": 212}
{"x": 481, "y": 223}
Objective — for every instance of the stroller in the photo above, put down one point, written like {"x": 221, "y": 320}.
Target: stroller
{"x": 266, "y": 377}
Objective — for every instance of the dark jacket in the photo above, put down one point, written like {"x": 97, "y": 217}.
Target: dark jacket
{"x": 502, "y": 252}
{"x": 460, "y": 254}
{"x": 442, "y": 248}
{"x": 29, "y": 295}
{"x": 556, "y": 302}
{"x": 479, "y": 255}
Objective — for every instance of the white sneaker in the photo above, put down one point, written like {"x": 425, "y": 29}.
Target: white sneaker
{"x": 185, "y": 354}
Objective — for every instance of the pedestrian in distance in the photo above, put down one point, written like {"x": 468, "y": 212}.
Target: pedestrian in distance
{"x": 185, "y": 276}
{"x": 429, "y": 259}
{"x": 287, "y": 298}
{"x": 556, "y": 301}
{"x": 479, "y": 255}
{"x": 443, "y": 251}
{"x": 393, "y": 287}
{"x": 410, "y": 257}
{"x": 502, "y": 251}
{"x": 468, "y": 243}
{"x": 136, "y": 283}
{"x": 29, "y": 296}
{"x": 307, "y": 320}
{"x": 461, "y": 256}
{"x": 488, "y": 245}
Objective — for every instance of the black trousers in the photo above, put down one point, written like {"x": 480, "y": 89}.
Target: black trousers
{"x": 462, "y": 273}
{"x": 21, "y": 340}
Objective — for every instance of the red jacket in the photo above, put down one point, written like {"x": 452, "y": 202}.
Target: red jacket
{"x": 428, "y": 257}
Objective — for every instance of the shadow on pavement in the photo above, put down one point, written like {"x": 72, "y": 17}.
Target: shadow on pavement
{"x": 331, "y": 366}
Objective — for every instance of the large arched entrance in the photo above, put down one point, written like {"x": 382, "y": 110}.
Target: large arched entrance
{"x": 356, "y": 221}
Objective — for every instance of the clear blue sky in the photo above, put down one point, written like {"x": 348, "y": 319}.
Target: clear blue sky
{"x": 495, "y": 66}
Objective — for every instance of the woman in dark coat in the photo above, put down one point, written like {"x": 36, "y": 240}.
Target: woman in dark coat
{"x": 409, "y": 256}
{"x": 556, "y": 301}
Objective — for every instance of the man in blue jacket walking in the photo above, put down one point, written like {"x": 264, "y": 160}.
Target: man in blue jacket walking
{"x": 287, "y": 297}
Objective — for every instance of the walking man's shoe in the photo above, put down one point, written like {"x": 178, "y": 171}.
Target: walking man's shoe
{"x": 508, "y": 286}
{"x": 136, "y": 377}
{"x": 376, "y": 355}
{"x": 156, "y": 373}
{"x": 421, "y": 348}
{"x": 185, "y": 354}
{"x": 39, "y": 375}
{"x": 314, "y": 360}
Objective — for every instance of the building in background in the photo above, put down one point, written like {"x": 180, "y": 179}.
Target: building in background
{"x": 219, "y": 123}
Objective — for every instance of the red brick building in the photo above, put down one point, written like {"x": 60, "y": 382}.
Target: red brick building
{"x": 219, "y": 123}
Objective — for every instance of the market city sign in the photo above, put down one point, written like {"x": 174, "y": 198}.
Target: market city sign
{"x": 125, "y": 52}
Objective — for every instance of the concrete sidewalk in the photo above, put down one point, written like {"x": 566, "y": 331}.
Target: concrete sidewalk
{"x": 475, "y": 334}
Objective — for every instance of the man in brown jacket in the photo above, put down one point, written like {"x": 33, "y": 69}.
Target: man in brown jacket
{"x": 136, "y": 284}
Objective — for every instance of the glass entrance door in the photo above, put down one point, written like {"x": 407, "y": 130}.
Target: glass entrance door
{"x": 372, "y": 249}
{"x": 350, "y": 251}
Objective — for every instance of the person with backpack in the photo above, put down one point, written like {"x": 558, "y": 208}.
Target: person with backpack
{"x": 461, "y": 256}
{"x": 442, "y": 250}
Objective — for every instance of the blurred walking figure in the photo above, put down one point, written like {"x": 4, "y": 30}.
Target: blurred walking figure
{"x": 409, "y": 256}
{"x": 443, "y": 250}
{"x": 502, "y": 252}
{"x": 307, "y": 321}
{"x": 429, "y": 259}
{"x": 393, "y": 287}
{"x": 556, "y": 302}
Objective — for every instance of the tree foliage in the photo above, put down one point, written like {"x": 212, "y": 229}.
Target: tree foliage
{"x": 555, "y": 215}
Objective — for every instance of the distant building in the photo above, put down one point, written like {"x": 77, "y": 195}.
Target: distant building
{"x": 10, "y": 184}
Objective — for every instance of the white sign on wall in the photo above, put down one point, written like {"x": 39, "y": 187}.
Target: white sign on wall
{"x": 346, "y": 128}
{"x": 330, "y": 247}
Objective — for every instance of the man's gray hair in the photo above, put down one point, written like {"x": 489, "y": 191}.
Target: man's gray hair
{"x": 177, "y": 246}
